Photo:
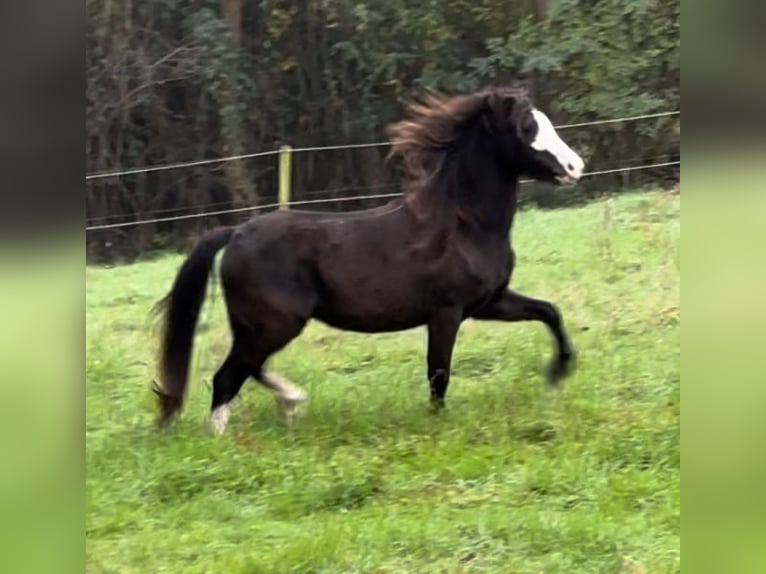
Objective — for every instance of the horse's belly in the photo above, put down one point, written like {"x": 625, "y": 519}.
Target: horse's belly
{"x": 383, "y": 320}
{"x": 375, "y": 310}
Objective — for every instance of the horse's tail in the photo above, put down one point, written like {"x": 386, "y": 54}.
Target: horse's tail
{"x": 181, "y": 307}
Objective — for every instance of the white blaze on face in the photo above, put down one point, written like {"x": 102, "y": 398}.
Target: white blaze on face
{"x": 548, "y": 140}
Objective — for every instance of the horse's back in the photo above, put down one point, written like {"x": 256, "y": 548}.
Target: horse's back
{"x": 285, "y": 249}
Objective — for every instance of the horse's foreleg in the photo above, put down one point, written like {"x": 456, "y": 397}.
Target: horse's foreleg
{"x": 511, "y": 306}
{"x": 442, "y": 331}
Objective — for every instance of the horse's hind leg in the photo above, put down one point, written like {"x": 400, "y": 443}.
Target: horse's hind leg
{"x": 251, "y": 349}
{"x": 227, "y": 382}
{"x": 289, "y": 397}
{"x": 272, "y": 337}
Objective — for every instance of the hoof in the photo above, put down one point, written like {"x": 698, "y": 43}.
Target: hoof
{"x": 289, "y": 398}
{"x": 559, "y": 369}
{"x": 164, "y": 424}
{"x": 219, "y": 418}
{"x": 292, "y": 407}
{"x": 436, "y": 405}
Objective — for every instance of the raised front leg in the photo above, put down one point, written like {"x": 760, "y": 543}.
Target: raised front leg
{"x": 511, "y": 306}
{"x": 442, "y": 331}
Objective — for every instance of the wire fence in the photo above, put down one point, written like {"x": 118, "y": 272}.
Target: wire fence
{"x": 202, "y": 162}
{"x": 306, "y": 202}
{"x": 179, "y": 210}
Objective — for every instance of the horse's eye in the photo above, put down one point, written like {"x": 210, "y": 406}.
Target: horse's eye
{"x": 528, "y": 127}
{"x": 528, "y": 130}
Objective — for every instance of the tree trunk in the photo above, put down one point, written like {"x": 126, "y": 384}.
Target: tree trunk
{"x": 539, "y": 9}
{"x": 242, "y": 188}
{"x": 232, "y": 13}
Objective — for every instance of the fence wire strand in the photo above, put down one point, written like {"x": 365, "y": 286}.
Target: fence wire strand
{"x": 179, "y": 165}
{"x": 115, "y": 218}
{"x": 332, "y": 200}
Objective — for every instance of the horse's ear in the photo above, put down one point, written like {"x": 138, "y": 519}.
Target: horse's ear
{"x": 490, "y": 98}
{"x": 494, "y": 106}
{"x": 521, "y": 86}
{"x": 499, "y": 104}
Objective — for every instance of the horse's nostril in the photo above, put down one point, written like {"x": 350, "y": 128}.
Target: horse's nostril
{"x": 570, "y": 167}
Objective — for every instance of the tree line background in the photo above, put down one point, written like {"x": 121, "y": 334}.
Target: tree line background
{"x": 179, "y": 80}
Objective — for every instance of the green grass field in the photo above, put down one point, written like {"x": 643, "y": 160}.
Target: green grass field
{"x": 511, "y": 478}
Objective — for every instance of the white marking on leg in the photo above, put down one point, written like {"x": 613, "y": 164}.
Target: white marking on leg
{"x": 288, "y": 396}
{"x": 283, "y": 388}
{"x": 219, "y": 418}
{"x": 547, "y": 139}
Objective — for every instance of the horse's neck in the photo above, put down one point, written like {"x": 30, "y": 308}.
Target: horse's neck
{"x": 478, "y": 209}
{"x": 492, "y": 214}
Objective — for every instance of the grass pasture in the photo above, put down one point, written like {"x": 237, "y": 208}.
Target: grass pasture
{"x": 511, "y": 478}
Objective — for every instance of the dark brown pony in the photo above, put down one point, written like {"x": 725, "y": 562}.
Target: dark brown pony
{"x": 435, "y": 257}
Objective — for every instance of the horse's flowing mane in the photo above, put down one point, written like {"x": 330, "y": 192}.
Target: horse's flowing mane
{"x": 445, "y": 149}
{"x": 437, "y": 122}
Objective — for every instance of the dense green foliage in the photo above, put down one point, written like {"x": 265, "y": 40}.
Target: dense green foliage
{"x": 510, "y": 478}
{"x": 178, "y": 80}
